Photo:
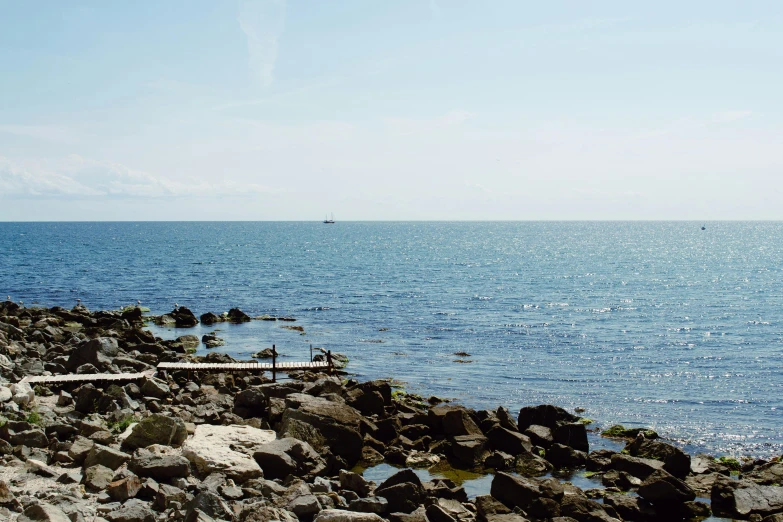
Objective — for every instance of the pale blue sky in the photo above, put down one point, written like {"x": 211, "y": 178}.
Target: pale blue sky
{"x": 426, "y": 109}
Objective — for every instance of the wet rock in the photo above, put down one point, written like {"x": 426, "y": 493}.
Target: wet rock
{"x": 583, "y": 509}
{"x": 630, "y": 508}
{"x": 662, "y": 487}
{"x": 742, "y": 498}
{"x": 183, "y": 317}
{"x": 470, "y": 450}
{"x": 511, "y": 442}
{"x": 212, "y": 341}
{"x": 210, "y": 318}
{"x": 544, "y": 415}
{"x": 452, "y": 420}
{"x": 235, "y": 315}
{"x": 532, "y": 465}
{"x": 675, "y": 461}
{"x": 403, "y": 491}
{"x": 515, "y": 491}
{"x": 188, "y": 342}
{"x": 572, "y": 434}
{"x": 562, "y": 456}
{"x": 766, "y": 474}
{"x": 636, "y": 466}
{"x": 539, "y": 435}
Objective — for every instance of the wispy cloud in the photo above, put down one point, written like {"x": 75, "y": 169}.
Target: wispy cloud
{"x": 729, "y": 116}
{"x": 78, "y": 177}
{"x": 263, "y": 22}
{"x": 416, "y": 126}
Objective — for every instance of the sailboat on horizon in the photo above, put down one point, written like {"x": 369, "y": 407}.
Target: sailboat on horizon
{"x": 329, "y": 221}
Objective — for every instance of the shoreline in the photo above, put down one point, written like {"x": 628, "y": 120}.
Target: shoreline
{"x": 61, "y": 434}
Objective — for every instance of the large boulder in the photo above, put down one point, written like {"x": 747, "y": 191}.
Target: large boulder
{"x": 452, "y": 420}
{"x": 289, "y": 456}
{"x": 544, "y": 415}
{"x": 516, "y": 491}
{"x": 43, "y": 512}
{"x": 636, "y": 466}
{"x": 227, "y": 450}
{"x": 340, "y": 515}
{"x": 470, "y": 450}
{"x": 403, "y": 491}
{"x": 512, "y": 442}
{"x": 573, "y": 434}
{"x": 322, "y": 423}
{"x": 183, "y": 317}
{"x": 156, "y": 429}
{"x": 99, "y": 352}
{"x": 235, "y": 315}
{"x": 661, "y": 487}
{"x": 742, "y": 498}
{"x": 675, "y": 461}
{"x": 158, "y": 465}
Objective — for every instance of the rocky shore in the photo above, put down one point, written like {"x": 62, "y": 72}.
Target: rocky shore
{"x": 198, "y": 447}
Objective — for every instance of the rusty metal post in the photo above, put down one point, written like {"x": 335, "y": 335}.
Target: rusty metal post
{"x": 329, "y": 361}
{"x": 274, "y": 364}
{"x": 311, "y": 353}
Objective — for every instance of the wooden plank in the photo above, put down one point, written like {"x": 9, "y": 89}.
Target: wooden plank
{"x": 86, "y": 377}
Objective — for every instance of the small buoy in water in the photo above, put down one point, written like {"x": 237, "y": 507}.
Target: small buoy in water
{"x": 704, "y": 228}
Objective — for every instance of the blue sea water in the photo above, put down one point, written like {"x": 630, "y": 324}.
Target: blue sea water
{"x": 656, "y": 324}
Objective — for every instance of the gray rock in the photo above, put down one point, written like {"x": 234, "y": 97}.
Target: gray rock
{"x": 636, "y": 466}
{"x": 470, "y": 450}
{"x": 157, "y": 429}
{"x": 160, "y": 467}
{"x": 33, "y": 438}
{"x": 544, "y": 415}
{"x": 286, "y": 456}
{"x": 43, "y": 513}
{"x": 125, "y": 488}
{"x": 304, "y": 506}
{"x": 511, "y": 442}
{"x": 378, "y": 505}
{"x": 106, "y": 456}
{"x": 675, "y": 461}
{"x": 97, "y": 477}
{"x": 563, "y": 456}
{"x": 155, "y": 388}
{"x": 514, "y": 491}
{"x": 339, "y": 515}
{"x": 662, "y": 487}
{"x": 742, "y": 498}
{"x": 354, "y": 482}
{"x": 572, "y": 434}
{"x": 98, "y": 352}
{"x": 131, "y": 511}
{"x": 210, "y": 503}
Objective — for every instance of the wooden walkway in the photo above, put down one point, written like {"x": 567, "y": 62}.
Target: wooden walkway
{"x": 244, "y": 367}
{"x": 87, "y": 377}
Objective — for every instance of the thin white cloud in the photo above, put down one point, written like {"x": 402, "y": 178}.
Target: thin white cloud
{"x": 51, "y": 133}
{"x": 263, "y": 22}
{"x": 424, "y": 125}
{"x": 729, "y": 116}
{"x": 77, "y": 177}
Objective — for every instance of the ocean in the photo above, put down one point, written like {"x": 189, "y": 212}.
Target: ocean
{"x": 656, "y": 324}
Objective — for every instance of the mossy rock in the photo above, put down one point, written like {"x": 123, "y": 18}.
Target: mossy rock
{"x": 618, "y": 431}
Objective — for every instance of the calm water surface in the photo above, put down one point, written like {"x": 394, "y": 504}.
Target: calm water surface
{"x": 654, "y": 324}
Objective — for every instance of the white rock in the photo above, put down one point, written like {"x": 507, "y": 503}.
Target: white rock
{"x": 23, "y": 394}
{"x": 227, "y": 449}
{"x": 339, "y": 515}
{"x": 5, "y": 394}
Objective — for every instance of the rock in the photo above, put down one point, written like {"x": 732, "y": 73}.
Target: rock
{"x": 583, "y": 509}
{"x": 188, "y": 342}
{"x": 742, "y": 498}
{"x": 266, "y": 353}
{"x": 562, "y": 456}
{"x": 320, "y": 422}
{"x": 339, "y": 515}
{"x": 131, "y": 511}
{"x": 354, "y": 482}
{"x": 453, "y": 420}
{"x": 378, "y": 505}
{"x": 210, "y": 503}
{"x": 511, "y": 442}
{"x": 212, "y": 341}
{"x": 106, "y": 456}
{"x": 403, "y": 491}
{"x": 436, "y": 513}
{"x": 125, "y": 488}
{"x": 33, "y": 438}
{"x": 210, "y": 318}
{"x": 227, "y": 449}
{"x": 5, "y": 394}
{"x": 99, "y": 352}
{"x": 661, "y": 487}
{"x": 544, "y": 415}
{"x": 520, "y": 492}
{"x": 43, "y": 513}
{"x": 421, "y": 459}
{"x": 145, "y": 463}
{"x": 156, "y": 429}
{"x": 304, "y": 506}
{"x": 288, "y": 455}
{"x": 675, "y": 461}
{"x": 470, "y": 450}
{"x": 97, "y": 477}
{"x": 532, "y": 465}
{"x": 155, "y": 388}
{"x": 235, "y": 315}
{"x": 636, "y": 466}
{"x": 630, "y": 508}
{"x": 573, "y": 434}
{"x": 766, "y": 474}
{"x": 540, "y": 435}
{"x": 183, "y": 317}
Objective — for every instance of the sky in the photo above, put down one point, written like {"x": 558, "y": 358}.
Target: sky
{"x": 403, "y": 110}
